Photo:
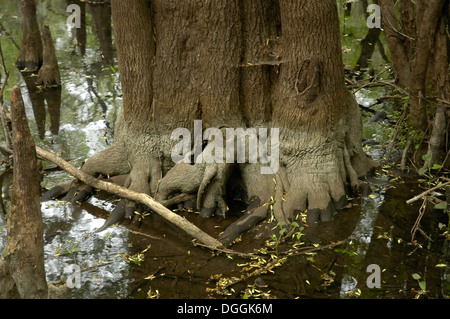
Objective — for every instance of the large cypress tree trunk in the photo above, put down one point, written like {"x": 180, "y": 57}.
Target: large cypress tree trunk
{"x": 235, "y": 64}
{"x": 312, "y": 103}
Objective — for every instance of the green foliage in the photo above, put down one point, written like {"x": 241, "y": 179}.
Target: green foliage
{"x": 294, "y": 231}
{"x": 442, "y": 206}
{"x": 70, "y": 249}
{"x": 422, "y": 285}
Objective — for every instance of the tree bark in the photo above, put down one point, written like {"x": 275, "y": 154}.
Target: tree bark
{"x": 419, "y": 67}
{"x": 399, "y": 55}
{"x": 8, "y": 289}
{"x": 48, "y": 75}
{"x": 234, "y": 64}
{"x": 420, "y": 62}
{"x": 25, "y": 246}
{"x": 311, "y": 108}
{"x": 31, "y": 52}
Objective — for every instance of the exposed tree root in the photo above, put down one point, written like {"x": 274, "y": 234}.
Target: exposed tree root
{"x": 207, "y": 180}
{"x": 134, "y": 196}
{"x": 48, "y": 74}
{"x": 314, "y": 179}
{"x": 316, "y": 172}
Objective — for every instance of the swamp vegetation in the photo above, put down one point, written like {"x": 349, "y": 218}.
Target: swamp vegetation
{"x": 401, "y": 223}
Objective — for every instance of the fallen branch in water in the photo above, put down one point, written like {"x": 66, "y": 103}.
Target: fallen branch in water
{"x": 145, "y": 199}
{"x": 412, "y": 200}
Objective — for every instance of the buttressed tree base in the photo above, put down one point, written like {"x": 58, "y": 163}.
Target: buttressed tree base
{"x": 235, "y": 64}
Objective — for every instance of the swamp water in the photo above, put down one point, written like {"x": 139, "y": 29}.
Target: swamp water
{"x": 157, "y": 260}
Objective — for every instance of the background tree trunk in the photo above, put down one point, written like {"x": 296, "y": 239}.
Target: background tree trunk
{"x": 421, "y": 61}
{"x": 31, "y": 52}
{"x": 418, "y": 46}
{"x": 399, "y": 55}
{"x": 48, "y": 74}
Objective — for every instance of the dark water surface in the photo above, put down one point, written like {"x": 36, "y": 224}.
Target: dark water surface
{"x": 156, "y": 260}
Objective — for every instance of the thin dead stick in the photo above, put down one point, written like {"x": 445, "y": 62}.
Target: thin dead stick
{"x": 417, "y": 223}
{"x": 412, "y": 200}
{"x": 145, "y": 199}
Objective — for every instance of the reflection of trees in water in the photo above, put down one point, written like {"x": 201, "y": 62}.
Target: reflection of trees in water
{"x": 101, "y": 16}
{"x": 38, "y": 98}
{"x": 392, "y": 249}
{"x": 81, "y": 31}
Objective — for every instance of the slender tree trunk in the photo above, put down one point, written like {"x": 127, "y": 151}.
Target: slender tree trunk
{"x": 31, "y": 52}
{"x": 25, "y": 246}
{"x": 399, "y": 55}
{"x": 420, "y": 61}
{"x": 419, "y": 67}
{"x": 438, "y": 143}
{"x": 48, "y": 75}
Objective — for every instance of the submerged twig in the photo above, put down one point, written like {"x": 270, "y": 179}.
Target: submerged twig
{"x": 418, "y": 219}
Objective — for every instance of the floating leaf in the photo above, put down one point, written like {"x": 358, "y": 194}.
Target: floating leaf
{"x": 416, "y": 276}
{"x": 441, "y": 265}
{"x": 442, "y": 205}
{"x": 373, "y": 196}
{"x": 423, "y": 285}
{"x": 426, "y": 157}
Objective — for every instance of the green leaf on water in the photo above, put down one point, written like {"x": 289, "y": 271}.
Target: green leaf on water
{"x": 426, "y": 157}
{"x": 442, "y": 205}
{"x": 423, "y": 285}
{"x": 416, "y": 276}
